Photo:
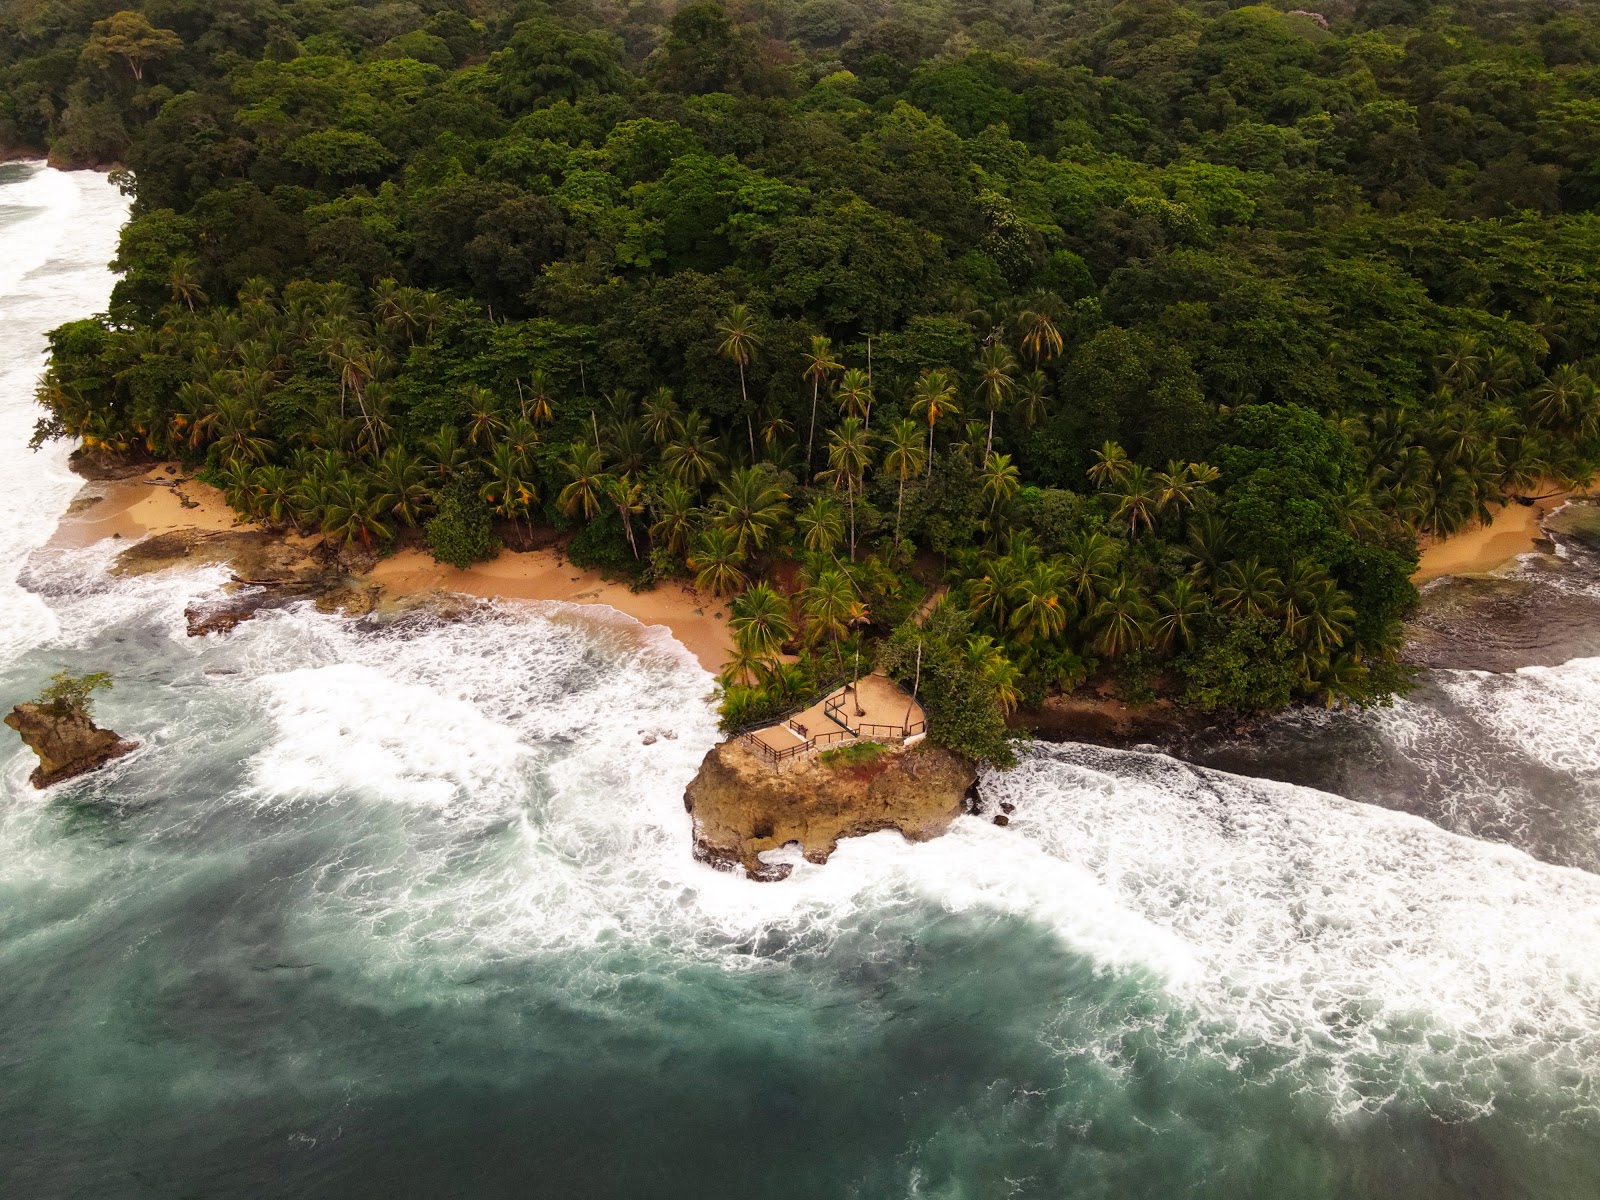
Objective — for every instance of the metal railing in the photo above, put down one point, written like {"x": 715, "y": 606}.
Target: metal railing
{"x": 872, "y": 729}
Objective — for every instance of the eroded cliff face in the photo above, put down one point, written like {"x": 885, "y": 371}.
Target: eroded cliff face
{"x": 742, "y": 807}
{"x": 67, "y": 742}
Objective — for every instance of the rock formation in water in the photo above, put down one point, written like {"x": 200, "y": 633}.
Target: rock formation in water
{"x": 67, "y": 742}
{"x": 742, "y": 807}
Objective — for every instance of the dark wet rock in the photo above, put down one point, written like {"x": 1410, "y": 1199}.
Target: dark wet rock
{"x": 742, "y": 808}
{"x": 1001, "y": 819}
{"x": 67, "y": 742}
{"x": 220, "y": 616}
{"x": 1104, "y": 721}
{"x": 99, "y": 465}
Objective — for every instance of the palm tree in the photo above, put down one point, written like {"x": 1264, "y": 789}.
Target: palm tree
{"x": 933, "y": 396}
{"x": 821, "y": 525}
{"x": 998, "y": 671}
{"x": 1563, "y": 399}
{"x": 1249, "y": 588}
{"x": 1040, "y": 609}
{"x": 1033, "y": 398}
{"x": 674, "y": 523}
{"x": 903, "y": 457}
{"x": 1125, "y": 619}
{"x": 855, "y": 395}
{"x": 1344, "y": 682}
{"x": 536, "y": 405}
{"x": 996, "y": 368}
{"x": 694, "y": 457}
{"x": 507, "y": 491}
{"x": 1040, "y": 337}
{"x": 849, "y": 456}
{"x": 485, "y": 421}
{"x": 1177, "y": 488}
{"x": 1136, "y": 499}
{"x": 740, "y": 343}
{"x": 1181, "y": 607}
{"x": 1111, "y": 466}
{"x": 820, "y": 364}
{"x": 830, "y": 606}
{"x": 352, "y": 513}
{"x": 627, "y": 497}
{"x": 716, "y": 561}
{"x": 444, "y": 453}
{"x": 1000, "y": 480}
{"x": 627, "y": 447}
{"x": 583, "y": 495}
{"x": 1328, "y": 617}
{"x": 274, "y": 488}
{"x": 399, "y": 485}
{"x": 991, "y": 594}
{"x": 1090, "y": 559}
{"x": 760, "y": 621}
{"x": 183, "y": 278}
{"x": 751, "y": 505}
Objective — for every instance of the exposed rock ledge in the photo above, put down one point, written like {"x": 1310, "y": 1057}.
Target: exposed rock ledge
{"x": 67, "y": 742}
{"x": 742, "y": 807}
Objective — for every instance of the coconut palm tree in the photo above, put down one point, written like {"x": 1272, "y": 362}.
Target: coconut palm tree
{"x": 855, "y": 395}
{"x": 443, "y": 454}
{"x": 1345, "y": 681}
{"x": 994, "y": 668}
{"x": 1088, "y": 565}
{"x": 661, "y": 420}
{"x": 1137, "y": 499}
{"x": 508, "y": 491}
{"x": 627, "y": 497}
{"x": 693, "y": 458}
{"x": 537, "y": 408}
{"x": 1111, "y": 467}
{"x": 1041, "y": 610}
{"x": 351, "y": 514}
{"x": 849, "y": 456}
{"x": 830, "y": 606}
{"x": 996, "y": 380}
{"x": 999, "y": 480}
{"x": 1180, "y": 607}
{"x": 1125, "y": 618}
{"x": 903, "y": 457}
{"x": 1249, "y": 588}
{"x": 990, "y": 595}
{"x": 1564, "y": 398}
{"x": 820, "y": 365}
{"x": 1041, "y": 337}
{"x": 751, "y": 505}
{"x": 716, "y": 560}
{"x": 674, "y": 513}
{"x": 760, "y": 621}
{"x": 485, "y": 421}
{"x": 274, "y": 487}
{"x": 933, "y": 397}
{"x": 183, "y": 280}
{"x": 1033, "y": 398}
{"x": 586, "y": 491}
{"x": 398, "y": 481}
{"x": 821, "y": 525}
{"x": 740, "y": 341}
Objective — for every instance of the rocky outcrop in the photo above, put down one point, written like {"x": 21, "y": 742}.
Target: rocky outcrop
{"x": 67, "y": 742}
{"x": 742, "y": 807}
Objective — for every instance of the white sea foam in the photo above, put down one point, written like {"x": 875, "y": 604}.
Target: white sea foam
{"x": 1375, "y": 950}
{"x": 61, "y": 232}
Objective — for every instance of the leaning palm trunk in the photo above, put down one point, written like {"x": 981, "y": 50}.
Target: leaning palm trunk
{"x": 811, "y": 435}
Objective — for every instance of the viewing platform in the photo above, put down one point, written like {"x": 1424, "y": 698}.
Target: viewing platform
{"x": 873, "y": 709}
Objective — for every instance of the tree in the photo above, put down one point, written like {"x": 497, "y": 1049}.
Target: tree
{"x": 184, "y": 280}
{"x": 507, "y": 491}
{"x": 67, "y": 693}
{"x": 1040, "y": 337}
{"x": 128, "y": 36}
{"x": 760, "y": 622}
{"x": 996, "y": 371}
{"x": 821, "y": 525}
{"x": 740, "y": 341}
{"x": 849, "y": 456}
{"x": 830, "y": 606}
{"x": 903, "y": 457}
{"x": 933, "y": 397}
{"x": 693, "y": 458}
{"x": 1000, "y": 479}
{"x": 1040, "y": 611}
{"x": 820, "y": 365}
{"x": 751, "y": 506}
{"x": 582, "y": 496}
{"x": 1111, "y": 466}
{"x": 716, "y": 560}
{"x": 1125, "y": 618}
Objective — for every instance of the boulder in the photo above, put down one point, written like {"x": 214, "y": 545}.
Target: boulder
{"x": 67, "y": 742}
{"x": 742, "y": 807}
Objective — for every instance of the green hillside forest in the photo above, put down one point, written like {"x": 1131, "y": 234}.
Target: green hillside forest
{"x": 1017, "y": 347}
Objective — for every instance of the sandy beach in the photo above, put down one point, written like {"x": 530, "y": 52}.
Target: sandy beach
{"x": 161, "y": 502}
{"x": 1478, "y": 549}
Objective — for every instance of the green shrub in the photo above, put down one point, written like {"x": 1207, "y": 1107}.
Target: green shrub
{"x": 66, "y": 692}
{"x": 462, "y": 533}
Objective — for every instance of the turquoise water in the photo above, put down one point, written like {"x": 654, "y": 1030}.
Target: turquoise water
{"x": 406, "y": 908}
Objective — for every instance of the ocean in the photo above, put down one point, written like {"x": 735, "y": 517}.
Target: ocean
{"x": 405, "y": 907}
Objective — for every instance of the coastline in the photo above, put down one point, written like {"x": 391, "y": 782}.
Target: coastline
{"x": 163, "y": 500}
{"x": 1480, "y": 549}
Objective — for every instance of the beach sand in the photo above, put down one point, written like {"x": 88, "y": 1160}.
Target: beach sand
{"x": 159, "y": 502}
{"x": 1479, "y": 549}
